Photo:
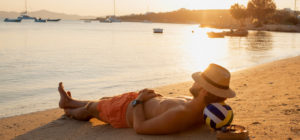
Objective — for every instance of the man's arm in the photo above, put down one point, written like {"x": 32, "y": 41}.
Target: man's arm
{"x": 173, "y": 120}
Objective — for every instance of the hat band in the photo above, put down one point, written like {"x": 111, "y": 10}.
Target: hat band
{"x": 213, "y": 83}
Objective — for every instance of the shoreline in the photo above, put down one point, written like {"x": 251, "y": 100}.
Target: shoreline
{"x": 266, "y": 104}
{"x": 233, "y": 71}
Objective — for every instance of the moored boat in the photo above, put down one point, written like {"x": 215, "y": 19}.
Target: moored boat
{"x": 111, "y": 19}
{"x": 12, "y": 20}
{"x": 215, "y": 34}
{"x": 53, "y": 20}
{"x": 24, "y": 15}
{"x": 238, "y": 32}
{"x": 158, "y": 30}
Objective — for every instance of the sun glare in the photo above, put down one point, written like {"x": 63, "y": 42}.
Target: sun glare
{"x": 199, "y": 50}
{"x": 212, "y": 4}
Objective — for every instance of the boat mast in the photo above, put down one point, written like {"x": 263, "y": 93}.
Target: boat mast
{"x": 295, "y": 7}
{"x": 147, "y": 7}
{"x": 25, "y": 6}
{"x": 114, "y": 8}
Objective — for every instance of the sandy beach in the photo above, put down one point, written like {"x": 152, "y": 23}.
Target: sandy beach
{"x": 267, "y": 104}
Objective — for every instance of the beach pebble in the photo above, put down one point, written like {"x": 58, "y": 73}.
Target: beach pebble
{"x": 289, "y": 139}
{"x": 170, "y": 92}
{"x": 270, "y": 82}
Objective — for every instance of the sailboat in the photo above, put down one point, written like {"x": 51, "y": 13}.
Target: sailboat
{"x": 113, "y": 18}
{"x": 24, "y": 15}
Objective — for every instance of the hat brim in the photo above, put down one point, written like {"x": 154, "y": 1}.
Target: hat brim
{"x": 225, "y": 93}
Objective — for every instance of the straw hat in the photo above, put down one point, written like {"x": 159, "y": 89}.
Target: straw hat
{"x": 215, "y": 79}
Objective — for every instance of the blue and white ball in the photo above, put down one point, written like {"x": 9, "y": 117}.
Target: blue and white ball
{"x": 217, "y": 115}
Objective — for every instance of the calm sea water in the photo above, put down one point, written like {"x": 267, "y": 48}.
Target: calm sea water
{"x": 99, "y": 59}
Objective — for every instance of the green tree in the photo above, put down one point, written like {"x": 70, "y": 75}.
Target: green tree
{"x": 261, "y": 10}
{"x": 239, "y": 12}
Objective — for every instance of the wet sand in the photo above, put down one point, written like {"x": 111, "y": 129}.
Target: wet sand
{"x": 267, "y": 104}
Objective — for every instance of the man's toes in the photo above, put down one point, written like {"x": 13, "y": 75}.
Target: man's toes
{"x": 61, "y": 88}
{"x": 69, "y": 93}
{"x": 61, "y": 85}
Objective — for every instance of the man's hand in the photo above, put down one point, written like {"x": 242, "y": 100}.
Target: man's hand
{"x": 146, "y": 94}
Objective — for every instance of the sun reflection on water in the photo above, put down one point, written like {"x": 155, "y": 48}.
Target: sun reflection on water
{"x": 199, "y": 50}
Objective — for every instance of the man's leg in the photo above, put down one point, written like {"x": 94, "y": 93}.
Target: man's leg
{"x": 84, "y": 113}
{"x": 80, "y": 110}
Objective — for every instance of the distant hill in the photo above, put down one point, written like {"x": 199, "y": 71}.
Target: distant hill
{"x": 45, "y": 14}
{"x": 220, "y": 18}
{"x": 214, "y": 18}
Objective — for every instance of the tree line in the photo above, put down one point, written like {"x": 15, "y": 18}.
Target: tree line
{"x": 262, "y": 12}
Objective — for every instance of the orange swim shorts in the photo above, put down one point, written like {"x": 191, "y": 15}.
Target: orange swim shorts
{"x": 113, "y": 110}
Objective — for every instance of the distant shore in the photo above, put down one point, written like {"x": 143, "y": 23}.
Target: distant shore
{"x": 267, "y": 104}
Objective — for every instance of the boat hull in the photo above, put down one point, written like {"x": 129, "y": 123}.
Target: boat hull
{"x": 53, "y": 20}
{"x": 12, "y": 20}
{"x": 215, "y": 35}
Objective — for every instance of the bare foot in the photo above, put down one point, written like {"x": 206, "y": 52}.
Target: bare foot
{"x": 65, "y": 97}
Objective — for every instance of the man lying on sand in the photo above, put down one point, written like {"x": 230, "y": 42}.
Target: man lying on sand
{"x": 150, "y": 113}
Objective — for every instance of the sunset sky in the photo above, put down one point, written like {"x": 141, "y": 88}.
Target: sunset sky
{"x": 123, "y": 7}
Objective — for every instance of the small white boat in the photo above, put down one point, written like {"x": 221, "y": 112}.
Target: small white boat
{"x": 158, "y": 30}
